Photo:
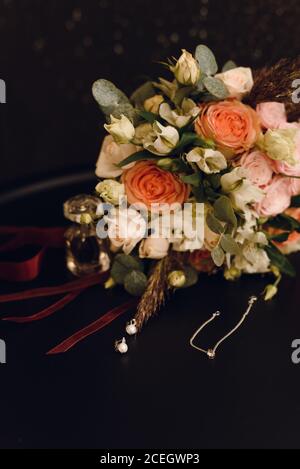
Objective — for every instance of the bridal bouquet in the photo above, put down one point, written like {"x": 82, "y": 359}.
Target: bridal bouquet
{"x": 200, "y": 173}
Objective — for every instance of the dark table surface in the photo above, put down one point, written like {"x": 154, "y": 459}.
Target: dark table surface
{"x": 162, "y": 394}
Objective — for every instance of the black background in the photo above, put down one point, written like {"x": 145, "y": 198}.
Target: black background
{"x": 52, "y": 51}
{"x": 162, "y": 394}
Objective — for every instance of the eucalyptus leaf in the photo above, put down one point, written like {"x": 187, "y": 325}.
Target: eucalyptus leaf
{"x": 122, "y": 265}
{"x": 229, "y": 245}
{"x": 216, "y": 87}
{"x": 111, "y": 100}
{"x": 206, "y": 60}
{"x": 214, "y": 224}
{"x": 229, "y": 65}
{"x": 143, "y": 92}
{"x": 280, "y": 260}
{"x": 223, "y": 211}
{"x": 135, "y": 283}
{"x": 218, "y": 256}
{"x": 181, "y": 93}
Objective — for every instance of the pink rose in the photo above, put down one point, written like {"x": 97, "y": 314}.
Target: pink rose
{"x": 258, "y": 167}
{"x": 272, "y": 115}
{"x": 277, "y": 198}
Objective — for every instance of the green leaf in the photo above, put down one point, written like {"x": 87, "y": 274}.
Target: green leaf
{"x": 143, "y": 92}
{"x": 111, "y": 100}
{"x": 218, "y": 256}
{"x": 280, "y": 260}
{"x": 198, "y": 192}
{"x": 229, "y": 65}
{"x": 214, "y": 224}
{"x": 229, "y": 245}
{"x": 284, "y": 222}
{"x": 206, "y": 60}
{"x": 216, "y": 87}
{"x": 190, "y": 138}
{"x": 138, "y": 156}
{"x": 295, "y": 201}
{"x": 149, "y": 116}
{"x": 223, "y": 211}
{"x": 192, "y": 179}
{"x": 122, "y": 265}
{"x": 214, "y": 180}
{"x": 191, "y": 276}
{"x": 181, "y": 93}
{"x": 135, "y": 283}
{"x": 280, "y": 238}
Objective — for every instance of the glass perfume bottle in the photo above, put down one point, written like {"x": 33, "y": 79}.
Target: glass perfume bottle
{"x": 85, "y": 252}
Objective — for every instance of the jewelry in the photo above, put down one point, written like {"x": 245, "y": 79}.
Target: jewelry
{"x": 211, "y": 352}
{"x": 131, "y": 328}
{"x": 121, "y": 346}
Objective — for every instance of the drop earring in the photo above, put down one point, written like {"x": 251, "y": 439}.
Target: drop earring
{"x": 121, "y": 346}
{"x": 211, "y": 352}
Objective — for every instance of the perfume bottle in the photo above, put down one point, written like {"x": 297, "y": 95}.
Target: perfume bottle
{"x": 85, "y": 252}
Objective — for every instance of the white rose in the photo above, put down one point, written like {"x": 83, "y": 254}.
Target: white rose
{"x": 126, "y": 228}
{"x": 154, "y": 248}
{"x": 186, "y": 70}
{"x": 238, "y": 81}
{"x": 110, "y": 191}
{"x": 111, "y": 154}
{"x": 209, "y": 161}
{"x": 121, "y": 129}
{"x": 165, "y": 139}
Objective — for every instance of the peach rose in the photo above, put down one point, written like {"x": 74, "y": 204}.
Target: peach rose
{"x": 146, "y": 183}
{"x": 258, "y": 167}
{"x": 272, "y": 115}
{"x": 111, "y": 154}
{"x": 277, "y": 198}
{"x": 234, "y": 126}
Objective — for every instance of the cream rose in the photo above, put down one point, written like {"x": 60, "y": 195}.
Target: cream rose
{"x": 121, "y": 129}
{"x": 154, "y": 248}
{"x": 110, "y": 155}
{"x": 238, "y": 81}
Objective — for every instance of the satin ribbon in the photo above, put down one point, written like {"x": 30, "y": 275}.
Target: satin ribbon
{"x": 29, "y": 269}
{"x": 43, "y": 238}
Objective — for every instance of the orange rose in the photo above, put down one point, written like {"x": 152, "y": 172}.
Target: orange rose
{"x": 147, "y": 183}
{"x": 234, "y": 126}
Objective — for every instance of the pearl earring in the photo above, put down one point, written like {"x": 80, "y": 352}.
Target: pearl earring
{"x": 121, "y": 346}
{"x": 131, "y": 328}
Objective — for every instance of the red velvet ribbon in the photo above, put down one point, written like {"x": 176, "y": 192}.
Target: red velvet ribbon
{"x": 29, "y": 269}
